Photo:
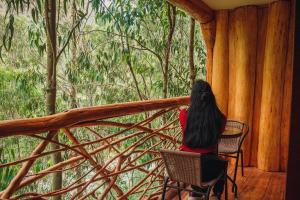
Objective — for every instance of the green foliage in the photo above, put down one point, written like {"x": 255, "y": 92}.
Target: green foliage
{"x": 92, "y": 69}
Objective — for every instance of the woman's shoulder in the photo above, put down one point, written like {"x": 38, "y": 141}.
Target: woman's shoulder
{"x": 183, "y": 111}
{"x": 183, "y": 114}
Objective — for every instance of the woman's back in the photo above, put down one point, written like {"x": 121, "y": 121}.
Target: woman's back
{"x": 203, "y": 123}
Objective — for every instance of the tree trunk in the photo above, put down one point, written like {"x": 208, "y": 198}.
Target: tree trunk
{"x": 73, "y": 103}
{"x": 262, "y": 14}
{"x": 220, "y": 69}
{"x": 287, "y": 95}
{"x": 172, "y": 19}
{"x": 272, "y": 87}
{"x": 128, "y": 60}
{"x": 50, "y": 16}
{"x": 191, "y": 52}
{"x": 242, "y": 61}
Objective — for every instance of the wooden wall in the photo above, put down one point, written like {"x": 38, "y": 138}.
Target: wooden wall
{"x": 251, "y": 74}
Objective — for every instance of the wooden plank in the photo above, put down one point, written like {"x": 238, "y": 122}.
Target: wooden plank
{"x": 255, "y": 185}
{"x": 79, "y": 115}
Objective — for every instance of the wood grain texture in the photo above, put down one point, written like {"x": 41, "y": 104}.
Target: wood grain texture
{"x": 261, "y": 41}
{"x": 208, "y": 31}
{"x": 220, "y": 67}
{"x": 256, "y": 185}
{"x": 80, "y": 115}
{"x": 196, "y": 8}
{"x": 242, "y": 62}
{"x": 272, "y": 88}
{"x": 287, "y": 94}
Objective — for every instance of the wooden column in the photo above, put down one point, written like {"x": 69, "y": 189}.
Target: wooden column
{"x": 287, "y": 94}
{"x": 242, "y": 64}
{"x": 272, "y": 89}
{"x": 262, "y": 14}
{"x": 220, "y": 67}
{"x": 293, "y": 175}
{"x": 208, "y": 32}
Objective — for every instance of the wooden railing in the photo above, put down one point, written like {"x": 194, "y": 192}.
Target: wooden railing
{"x": 109, "y": 152}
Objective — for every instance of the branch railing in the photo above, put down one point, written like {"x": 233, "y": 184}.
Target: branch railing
{"x": 109, "y": 152}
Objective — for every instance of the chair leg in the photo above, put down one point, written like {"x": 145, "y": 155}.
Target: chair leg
{"x": 234, "y": 186}
{"x": 235, "y": 170}
{"x": 242, "y": 160}
{"x": 165, "y": 188}
{"x": 178, "y": 190}
{"x": 207, "y": 193}
{"x": 226, "y": 186}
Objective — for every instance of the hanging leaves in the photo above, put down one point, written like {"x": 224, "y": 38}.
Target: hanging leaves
{"x": 9, "y": 32}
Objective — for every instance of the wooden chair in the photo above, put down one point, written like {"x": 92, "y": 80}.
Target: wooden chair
{"x": 230, "y": 144}
{"x": 185, "y": 167}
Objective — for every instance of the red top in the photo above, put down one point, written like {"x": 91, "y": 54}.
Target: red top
{"x": 183, "y": 115}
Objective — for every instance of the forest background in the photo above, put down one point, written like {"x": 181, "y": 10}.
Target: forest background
{"x": 87, "y": 53}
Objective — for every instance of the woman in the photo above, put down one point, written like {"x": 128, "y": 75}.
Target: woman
{"x": 202, "y": 125}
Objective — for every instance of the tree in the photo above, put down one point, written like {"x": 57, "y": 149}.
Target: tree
{"x": 191, "y": 52}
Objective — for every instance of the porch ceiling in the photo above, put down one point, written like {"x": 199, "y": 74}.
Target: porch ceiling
{"x": 230, "y": 4}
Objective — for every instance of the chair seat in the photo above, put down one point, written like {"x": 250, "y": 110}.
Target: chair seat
{"x": 227, "y": 149}
{"x": 228, "y": 145}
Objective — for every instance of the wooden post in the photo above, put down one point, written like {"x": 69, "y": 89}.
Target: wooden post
{"x": 220, "y": 67}
{"x": 293, "y": 175}
{"x": 272, "y": 89}
{"x": 208, "y": 32}
{"x": 287, "y": 95}
{"x": 242, "y": 62}
{"x": 261, "y": 41}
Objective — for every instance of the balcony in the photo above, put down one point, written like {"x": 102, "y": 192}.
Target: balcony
{"x": 108, "y": 151}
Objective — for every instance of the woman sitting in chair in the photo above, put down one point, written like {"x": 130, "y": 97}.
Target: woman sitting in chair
{"x": 202, "y": 125}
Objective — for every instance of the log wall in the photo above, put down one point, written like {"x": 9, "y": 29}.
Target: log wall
{"x": 249, "y": 65}
{"x": 251, "y": 77}
{"x": 220, "y": 67}
{"x": 242, "y": 51}
{"x": 272, "y": 87}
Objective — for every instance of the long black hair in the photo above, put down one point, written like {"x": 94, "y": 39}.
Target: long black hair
{"x": 204, "y": 120}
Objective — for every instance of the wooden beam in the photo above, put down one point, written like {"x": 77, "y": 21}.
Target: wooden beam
{"x": 196, "y": 8}
{"x": 74, "y": 116}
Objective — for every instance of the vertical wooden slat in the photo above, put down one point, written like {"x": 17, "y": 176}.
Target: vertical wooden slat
{"x": 287, "y": 94}
{"x": 293, "y": 175}
{"x": 242, "y": 62}
{"x": 272, "y": 88}
{"x": 262, "y": 14}
{"x": 220, "y": 61}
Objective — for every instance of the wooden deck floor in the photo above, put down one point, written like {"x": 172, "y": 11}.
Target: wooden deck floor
{"x": 257, "y": 185}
